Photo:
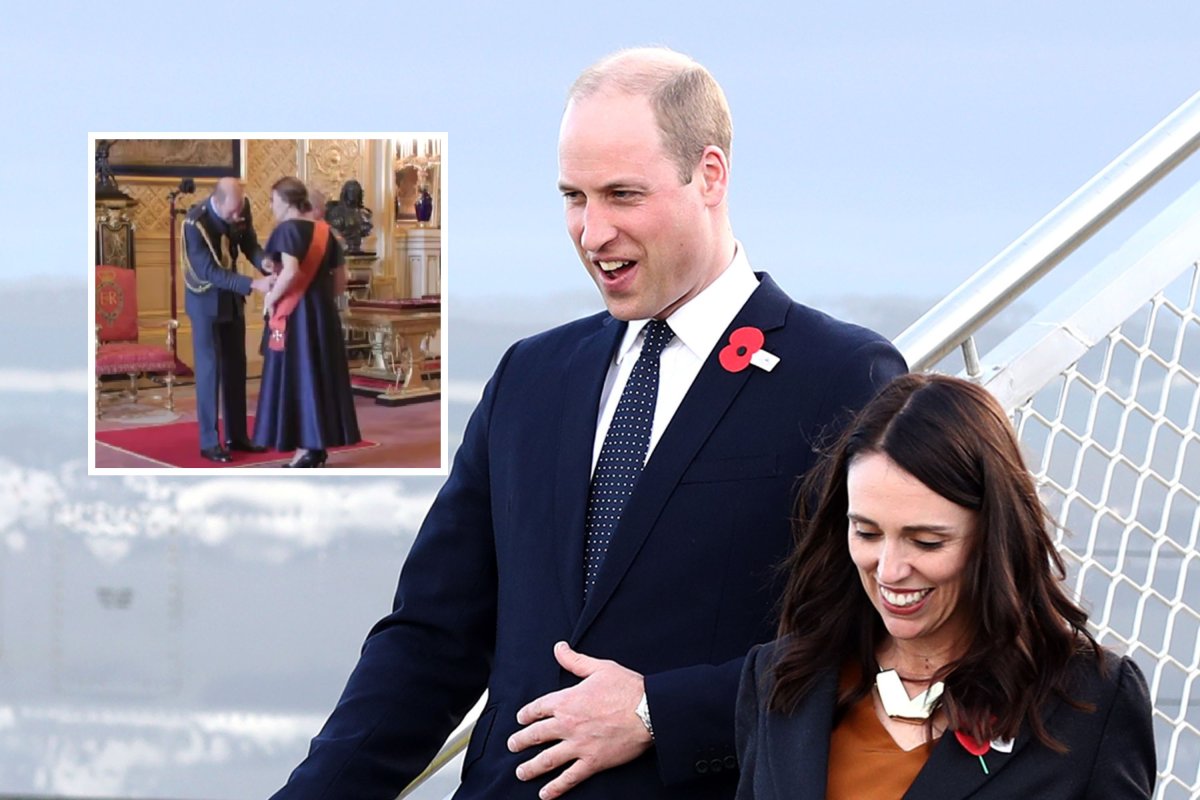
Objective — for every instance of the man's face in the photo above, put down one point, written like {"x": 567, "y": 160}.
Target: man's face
{"x": 646, "y": 239}
{"x": 230, "y": 208}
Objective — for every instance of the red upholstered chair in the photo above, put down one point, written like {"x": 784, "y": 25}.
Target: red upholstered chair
{"x": 118, "y": 351}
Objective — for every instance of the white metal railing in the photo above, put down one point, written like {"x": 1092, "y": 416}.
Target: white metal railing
{"x": 1113, "y": 441}
{"x": 951, "y": 322}
{"x": 1141, "y": 578}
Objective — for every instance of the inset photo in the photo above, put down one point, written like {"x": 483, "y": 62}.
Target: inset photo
{"x": 268, "y": 302}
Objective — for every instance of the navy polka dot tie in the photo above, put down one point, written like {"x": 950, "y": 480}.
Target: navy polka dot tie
{"x": 624, "y": 451}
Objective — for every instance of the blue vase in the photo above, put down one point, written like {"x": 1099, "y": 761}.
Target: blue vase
{"x": 424, "y": 206}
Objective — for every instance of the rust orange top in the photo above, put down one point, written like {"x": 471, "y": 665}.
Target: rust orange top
{"x": 864, "y": 759}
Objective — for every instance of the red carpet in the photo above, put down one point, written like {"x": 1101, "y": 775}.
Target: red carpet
{"x": 178, "y": 445}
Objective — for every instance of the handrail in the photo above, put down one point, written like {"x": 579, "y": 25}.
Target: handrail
{"x": 453, "y": 746}
{"x": 1075, "y": 220}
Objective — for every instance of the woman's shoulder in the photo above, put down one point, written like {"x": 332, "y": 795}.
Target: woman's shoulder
{"x": 763, "y": 658}
{"x": 297, "y": 224}
{"x": 767, "y": 653}
{"x": 1114, "y": 729}
{"x": 1103, "y": 664}
{"x": 287, "y": 227}
{"x": 1105, "y": 678}
{"x": 290, "y": 233}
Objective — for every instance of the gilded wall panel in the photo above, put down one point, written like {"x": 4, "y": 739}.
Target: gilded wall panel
{"x": 267, "y": 160}
{"x": 332, "y": 162}
{"x": 153, "y": 288}
{"x": 150, "y": 214}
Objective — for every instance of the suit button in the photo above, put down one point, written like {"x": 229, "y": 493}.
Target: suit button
{"x": 702, "y": 767}
{"x": 715, "y": 765}
{"x": 730, "y": 762}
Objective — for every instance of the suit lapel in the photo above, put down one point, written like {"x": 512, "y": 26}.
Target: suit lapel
{"x": 702, "y": 408}
{"x": 798, "y": 747}
{"x": 951, "y": 773}
{"x": 586, "y": 371}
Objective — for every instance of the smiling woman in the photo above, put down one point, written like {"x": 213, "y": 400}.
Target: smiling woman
{"x": 911, "y": 546}
{"x": 925, "y": 596}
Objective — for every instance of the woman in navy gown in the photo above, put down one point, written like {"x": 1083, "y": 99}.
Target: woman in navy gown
{"x": 305, "y": 403}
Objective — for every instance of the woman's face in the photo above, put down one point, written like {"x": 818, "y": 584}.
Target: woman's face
{"x": 910, "y": 545}
{"x": 278, "y": 206}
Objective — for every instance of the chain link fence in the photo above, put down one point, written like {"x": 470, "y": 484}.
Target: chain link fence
{"x": 1113, "y": 442}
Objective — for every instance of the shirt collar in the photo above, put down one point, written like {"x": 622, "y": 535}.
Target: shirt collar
{"x": 219, "y": 220}
{"x": 699, "y": 323}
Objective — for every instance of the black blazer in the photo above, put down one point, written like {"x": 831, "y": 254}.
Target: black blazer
{"x": 1111, "y": 752}
{"x": 495, "y": 576}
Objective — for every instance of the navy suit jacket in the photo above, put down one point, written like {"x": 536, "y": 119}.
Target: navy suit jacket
{"x": 212, "y": 290}
{"x": 1111, "y": 756}
{"x": 495, "y": 576}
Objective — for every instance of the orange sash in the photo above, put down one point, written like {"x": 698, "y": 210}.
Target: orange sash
{"x": 309, "y": 267}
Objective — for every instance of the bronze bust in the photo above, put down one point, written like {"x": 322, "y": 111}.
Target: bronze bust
{"x": 350, "y": 217}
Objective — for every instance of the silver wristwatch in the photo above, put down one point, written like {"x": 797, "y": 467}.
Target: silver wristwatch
{"x": 643, "y": 713}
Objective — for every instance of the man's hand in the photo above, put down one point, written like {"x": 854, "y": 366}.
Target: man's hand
{"x": 263, "y": 284}
{"x": 592, "y": 723}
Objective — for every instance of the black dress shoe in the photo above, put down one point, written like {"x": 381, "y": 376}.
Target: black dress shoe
{"x": 245, "y": 446}
{"x": 218, "y": 454}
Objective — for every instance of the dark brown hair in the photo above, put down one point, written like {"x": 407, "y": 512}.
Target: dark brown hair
{"x": 953, "y": 437}
{"x": 293, "y": 192}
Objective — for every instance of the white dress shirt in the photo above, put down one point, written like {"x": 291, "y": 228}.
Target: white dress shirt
{"x": 697, "y": 324}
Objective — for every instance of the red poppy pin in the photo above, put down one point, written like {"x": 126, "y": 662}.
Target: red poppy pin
{"x": 745, "y": 348}
{"x": 974, "y": 747}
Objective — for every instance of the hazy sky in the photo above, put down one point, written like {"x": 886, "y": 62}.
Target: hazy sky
{"x": 880, "y": 148}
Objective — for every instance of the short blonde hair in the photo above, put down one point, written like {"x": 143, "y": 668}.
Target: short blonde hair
{"x": 688, "y": 103}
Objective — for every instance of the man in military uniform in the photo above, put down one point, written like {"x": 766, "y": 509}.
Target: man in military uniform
{"x": 214, "y": 231}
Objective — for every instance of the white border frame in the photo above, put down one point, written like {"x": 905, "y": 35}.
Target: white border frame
{"x": 443, "y": 399}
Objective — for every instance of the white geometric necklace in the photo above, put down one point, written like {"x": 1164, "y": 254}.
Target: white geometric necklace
{"x": 897, "y": 703}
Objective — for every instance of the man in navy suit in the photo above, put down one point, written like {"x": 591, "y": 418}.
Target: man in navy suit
{"x": 214, "y": 231}
{"x": 626, "y": 690}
